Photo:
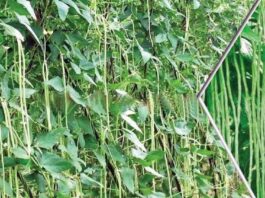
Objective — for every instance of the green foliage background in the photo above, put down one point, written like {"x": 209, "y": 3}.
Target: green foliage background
{"x": 97, "y": 98}
{"x": 236, "y": 99}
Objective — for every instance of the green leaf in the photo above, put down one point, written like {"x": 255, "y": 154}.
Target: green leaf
{"x": 56, "y": 83}
{"x": 137, "y": 153}
{"x": 76, "y": 68}
{"x": 182, "y": 128}
{"x": 100, "y": 158}
{"x": 11, "y": 31}
{"x": 173, "y": 40}
{"x": 24, "y": 21}
{"x": 75, "y": 96}
{"x": 49, "y": 139}
{"x": 153, "y": 172}
{"x": 143, "y": 112}
{"x": 88, "y": 180}
{"x": 87, "y": 16}
{"x": 116, "y": 153}
{"x": 9, "y": 162}
{"x": 134, "y": 139}
{"x": 185, "y": 57}
{"x": 28, "y": 92}
{"x": 4, "y": 131}
{"x": 53, "y": 163}
{"x": 196, "y": 4}
{"x": 72, "y": 4}
{"x": 160, "y": 38}
{"x": 167, "y": 4}
{"x": 89, "y": 79}
{"x": 249, "y": 34}
{"x": 145, "y": 55}
{"x": 95, "y": 102}
{"x": 5, "y": 188}
{"x": 130, "y": 121}
{"x": 5, "y": 90}
{"x": 62, "y": 9}
{"x": 155, "y": 155}
{"x": 157, "y": 195}
{"x": 20, "y": 153}
{"x": 127, "y": 175}
{"x": 2, "y": 69}
{"x": 29, "y": 8}
{"x": 205, "y": 152}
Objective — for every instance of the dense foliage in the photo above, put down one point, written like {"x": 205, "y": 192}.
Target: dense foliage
{"x": 97, "y": 98}
{"x": 236, "y": 99}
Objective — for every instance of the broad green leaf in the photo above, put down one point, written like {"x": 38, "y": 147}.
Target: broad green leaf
{"x": 130, "y": 121}
{"x": 9, "y": 162}
{"x": 5, "y": 187}
{"x": 160, "y": 38}
{"x": 203, "y": 184}
{"x": 100, "y": 158}
{"x": 89, "y": 79}
{"x": 88, "y": 180}
{"x": 11, "y": 31}
{"x": 182, "y": 128}
{"x": 56, "y": 83}
{"x": 95, "y": 102}
{"x": 121, "y": 93}
{"x": 76, "y": 68}
{"x": 2, "y": 69}
{"x": 116, "y": 153}
{"x": 145, "y": 55}
{"x": 155, "y": 155}
{"x": 157, "y": 195}
{"x": 4, "y": 131}
{"x": 143, "y": 112}
{"x": 49, "y": 139}
{"x": 75, "y": 96}
{"x": 87, "y": 16}
{"x": 24, "y": 21}
{"x": 20, "y": 153}
{"x": 196, "y": 4}
{"x": 205, "y": 152}
{"x": 181, "y": 87}
{"x": 29, "y": 8}
{"x": 54, "y": 163}
{"x": 173, "y": 40}
{"x": 251, "y": 35}
{"x": 40, "y": 180}
{"x": 167, "y": 4}
{"x": 245, "y": 47}
{"x": 4, "y": 87}
{"x": 72, "y": 4}
{"x": 134, "y": 139}
{"x": 65, "y": 187}
{"x": 185, "y": 57}
{"x": 28, "y": 92}
{"x": 72, "y": 149}
{"x": 62, "y": 9}
{"x": 84, "y": 124}
{"x": 91, "y": 142}
{"x": 153, "y": 172}
{"x": 127, "y": 175}
{"x": 137, "y": 153}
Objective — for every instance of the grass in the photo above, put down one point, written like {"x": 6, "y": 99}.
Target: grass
{"x": 236, "y": 99}
{"x": 97, "y": 99}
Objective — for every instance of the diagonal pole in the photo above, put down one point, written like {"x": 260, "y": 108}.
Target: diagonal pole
{"x": 208, "y": 81}
{"x": 228, "y": 48}
{"x": 230, "y": 155}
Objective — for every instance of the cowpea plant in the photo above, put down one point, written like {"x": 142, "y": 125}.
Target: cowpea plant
{"x": 97, "y": 98}
{"x": 236, "y": 99}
